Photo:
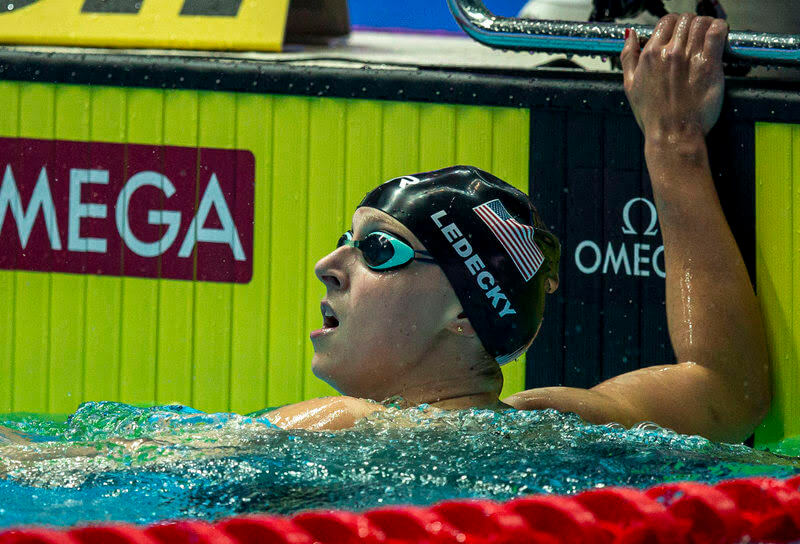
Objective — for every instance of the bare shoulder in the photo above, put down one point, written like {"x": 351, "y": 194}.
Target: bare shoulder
{"x": 686, "y": 397}
{"x": 7, "y": 436}
{"x": 323, "y": 414}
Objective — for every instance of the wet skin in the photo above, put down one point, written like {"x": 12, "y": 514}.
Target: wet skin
{"x": 403, "y": 333}
{"x": 389, "y": 322}
{"x": 719, "y": 387}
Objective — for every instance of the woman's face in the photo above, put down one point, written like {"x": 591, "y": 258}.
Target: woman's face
{"x": 389, "y": 322}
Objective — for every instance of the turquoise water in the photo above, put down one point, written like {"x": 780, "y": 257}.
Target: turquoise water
{"x": 112, "y": 461}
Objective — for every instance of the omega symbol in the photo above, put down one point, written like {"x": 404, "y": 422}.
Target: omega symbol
{"x": 626, "y": 257}
{"x": 626, "y": 217}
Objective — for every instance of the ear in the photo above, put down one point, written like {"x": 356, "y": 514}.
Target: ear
{"x": 551, "y": 283}
{"x": 551, "y": 247}
{"x": 461, "y": 326}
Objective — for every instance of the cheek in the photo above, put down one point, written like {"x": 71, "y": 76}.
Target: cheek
{"x": 412, "y": 307}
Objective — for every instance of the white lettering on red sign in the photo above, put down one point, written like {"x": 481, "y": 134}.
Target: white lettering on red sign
{"x": 145, "y": 224}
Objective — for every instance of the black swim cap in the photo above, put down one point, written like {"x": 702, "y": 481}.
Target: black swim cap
{"x": 480, "y": 230}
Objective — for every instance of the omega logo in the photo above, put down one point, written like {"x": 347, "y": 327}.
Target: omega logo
{"x": 185, "y": 214}
{"x": 630, "y": 260}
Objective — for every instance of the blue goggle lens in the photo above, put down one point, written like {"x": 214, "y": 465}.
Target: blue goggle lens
{"x": 381, "y": 250}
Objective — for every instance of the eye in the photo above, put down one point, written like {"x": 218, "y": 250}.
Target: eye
{"x": 344, "y": 239}
{"x": 392, "y": 252}
{"x": 376, "y": 249}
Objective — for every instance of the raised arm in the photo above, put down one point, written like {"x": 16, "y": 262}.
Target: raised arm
{"x": 720, "y": 386}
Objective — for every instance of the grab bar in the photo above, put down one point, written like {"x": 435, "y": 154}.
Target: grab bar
{"x": 604, "y": 38}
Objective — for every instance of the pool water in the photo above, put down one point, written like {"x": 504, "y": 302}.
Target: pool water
{"x": 111, "y": 461}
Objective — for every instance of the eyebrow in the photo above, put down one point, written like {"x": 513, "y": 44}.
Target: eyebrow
{"x": 372, "y": 219}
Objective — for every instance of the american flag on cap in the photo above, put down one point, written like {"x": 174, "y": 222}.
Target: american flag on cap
{"x": 516, "y": 238}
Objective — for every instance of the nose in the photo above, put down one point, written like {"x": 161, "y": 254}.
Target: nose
{"x": 332, "y": 270}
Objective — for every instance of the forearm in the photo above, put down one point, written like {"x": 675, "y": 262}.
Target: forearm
{"x": 591, "y": 405}
{"x": 712, "y": 312}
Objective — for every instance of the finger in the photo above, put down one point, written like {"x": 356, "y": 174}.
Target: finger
{"x": 630, "y": 55}
{"x": 663, "y": 30}
{"x": 680, "y": 34}
{"x": 697, "y": 35}
{"x": 716, "y": 36}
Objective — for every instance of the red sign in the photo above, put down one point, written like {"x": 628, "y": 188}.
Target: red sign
{"x": 126, "y": 209}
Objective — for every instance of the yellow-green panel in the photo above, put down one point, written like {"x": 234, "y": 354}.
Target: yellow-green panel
{"x": 510, "y": 153}
{"x": 9, "y": 121}
{"x": 104, "y": 293}
{"x": 251, "y": 301}
{"x": 223, "y": 346}
{"x": 400, "y": 139}
{"x": 774, "y": 274}
{"x": 68, "y": 307}
{"x": 791, "y": 374}
{"x": 474, "y": 136}
{"x": 326, "y": 172}
{"x": 32, "y": 308}
{"x": 176, "y": 298}
{"x": 140, "y": 295}
{"x": 287, "y": 334}
{"x": 437, "y": 136}
{"x": 7, "y": 288}
{"x": 213, "y": 301}
{"x": 9, "y": 97}
{"x": 364, "y": 125}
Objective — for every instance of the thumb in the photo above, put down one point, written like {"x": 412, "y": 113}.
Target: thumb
{"x": 630, "y": 56}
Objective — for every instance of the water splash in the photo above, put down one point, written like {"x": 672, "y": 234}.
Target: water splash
{"x": 112, "y": 461}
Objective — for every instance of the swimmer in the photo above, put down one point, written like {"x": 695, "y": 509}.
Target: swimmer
{"x": 443, "y": 278}
{"x": 435, "y": 287}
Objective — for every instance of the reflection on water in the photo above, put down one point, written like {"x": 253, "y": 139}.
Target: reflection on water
{"x": 112, "y": 461}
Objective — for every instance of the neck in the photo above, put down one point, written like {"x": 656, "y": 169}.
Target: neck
{"x": 451, "y": 376}
{"x": 487, "y": 401}
{"x": 466, "y": 392}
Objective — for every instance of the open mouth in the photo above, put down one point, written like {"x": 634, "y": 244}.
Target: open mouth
{"x": 329, "y": 319}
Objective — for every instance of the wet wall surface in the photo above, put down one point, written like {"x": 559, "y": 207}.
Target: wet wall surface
{"x": 587, "y": 176}
{"x": 591, "y": 185}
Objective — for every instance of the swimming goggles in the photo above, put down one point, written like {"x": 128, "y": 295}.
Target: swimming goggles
{"x": 382, "y": 251}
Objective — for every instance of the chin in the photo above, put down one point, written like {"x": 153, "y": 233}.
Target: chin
{"x": 321, "y": 369}
{"x": 318, "y": 368}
